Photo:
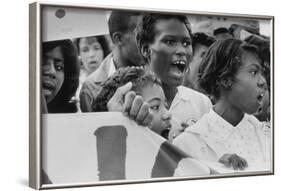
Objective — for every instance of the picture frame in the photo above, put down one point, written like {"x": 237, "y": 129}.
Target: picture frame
{"x": 42, "y": 142}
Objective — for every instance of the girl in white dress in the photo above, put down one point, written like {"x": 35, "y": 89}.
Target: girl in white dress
{"x": 232, "y": 73}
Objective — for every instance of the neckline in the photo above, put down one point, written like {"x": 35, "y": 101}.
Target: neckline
{"x": 221, "y": 120}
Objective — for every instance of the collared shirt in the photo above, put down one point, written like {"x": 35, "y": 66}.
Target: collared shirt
{"x": 92, "y": 84}
{"x": 112, "y": 68}
{"x": 187, "y": 107}
{"x": 212, "y": 137}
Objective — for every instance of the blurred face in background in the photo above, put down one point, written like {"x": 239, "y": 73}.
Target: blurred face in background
{"x": 52, "y": 73}
{"x": 91, "y": 53}
{"x": 130, "y": 51}
{"x": 191, "y": 76}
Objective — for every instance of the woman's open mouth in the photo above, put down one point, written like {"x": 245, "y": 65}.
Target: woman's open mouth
{"x": 178, "y": 68}
{"x": 93, "y": 63}
{"x": 260, "y": 99}
{"x": 48, "y": 88}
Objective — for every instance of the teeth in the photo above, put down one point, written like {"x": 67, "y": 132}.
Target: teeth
{"x": 179, "y": 62}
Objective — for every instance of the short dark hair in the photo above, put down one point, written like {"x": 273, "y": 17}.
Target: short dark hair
{"x": 101, "y": 40}
{"x": 202, "y": 38}
{"x": 61, "y": 103}
{"x": 221, "y": 62}
{"x": 139, "y": 77}
{"x": 252, "y": 30}
{"x": 119, "y": 21}
{"x": 146, "y": 30}
{"x": 262, "y": 44}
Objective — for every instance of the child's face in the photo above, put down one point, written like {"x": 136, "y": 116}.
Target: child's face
{"x": 52, "y": 73}
{"x": 249, "y": 85}
{"x": 171, "y": 51}
{"x": 154, "y": 96}
{"x": 91, "y": 53}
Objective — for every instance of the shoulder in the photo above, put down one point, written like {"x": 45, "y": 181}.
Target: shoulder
{"x": 190, "y": 93}
{"x": 263, "y": 127}
{"x": 199, "y": 99}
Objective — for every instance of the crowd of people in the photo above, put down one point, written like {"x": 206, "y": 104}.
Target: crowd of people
{"x": 208, "y": 95}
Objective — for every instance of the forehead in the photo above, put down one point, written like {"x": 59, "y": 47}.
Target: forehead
{"x": 88, "y": 40}
{"x": 55, "y": 52}
{"x": 171, "y": 26}
{"x": 152, "y": 91}
{"x": 132, "y": 23}
{"x": 249, "y": 59}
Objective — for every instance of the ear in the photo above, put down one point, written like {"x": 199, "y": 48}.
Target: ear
{"x": 146, "y": 51}
{"x": 117, "y": 38}
{"x": 227, "y": 83}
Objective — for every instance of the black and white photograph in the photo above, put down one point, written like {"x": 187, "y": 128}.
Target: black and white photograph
{"x": 133, "y": 95}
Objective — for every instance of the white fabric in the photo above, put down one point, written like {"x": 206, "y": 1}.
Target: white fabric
{"x": 212, "y": 136}
{"x": 112, "y": 68}
{"x": 188, "y": 106}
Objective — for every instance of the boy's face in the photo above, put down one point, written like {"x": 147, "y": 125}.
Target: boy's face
{"x": 130, "y": 51}
{"x": 249, "y": 85}
{"x": 52, "y": 73}
{"x": 154, "y": 96}
{"x": 171, "y": 51}
{"x": 91, "y": 53}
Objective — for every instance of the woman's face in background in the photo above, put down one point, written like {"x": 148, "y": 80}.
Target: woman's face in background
{"x": 52, "y": 73}
{"x": 91, "y": 53}
{"x": 171, "y": 51}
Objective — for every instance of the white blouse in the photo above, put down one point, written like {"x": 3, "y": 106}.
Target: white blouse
{"x": 212, "y": 137}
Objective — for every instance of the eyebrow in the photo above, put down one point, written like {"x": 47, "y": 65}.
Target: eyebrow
{"x": 256, "y": 65}
{"x": 175, "y": 36}
{"x": 58, "y": 59}
{"x": 153, "y": 99}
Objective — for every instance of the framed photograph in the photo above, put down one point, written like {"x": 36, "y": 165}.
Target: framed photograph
{"x": 128, "y": 95}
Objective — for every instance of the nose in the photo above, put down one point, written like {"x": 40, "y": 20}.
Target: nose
{"x": 262, "y": 82}
{"x": 166, "y": 116}
{"x": 184, "y": 51}
{"x": 92, "y": 52}
{"x": 181, "y": 50}
{"x": 49, "y": 68}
